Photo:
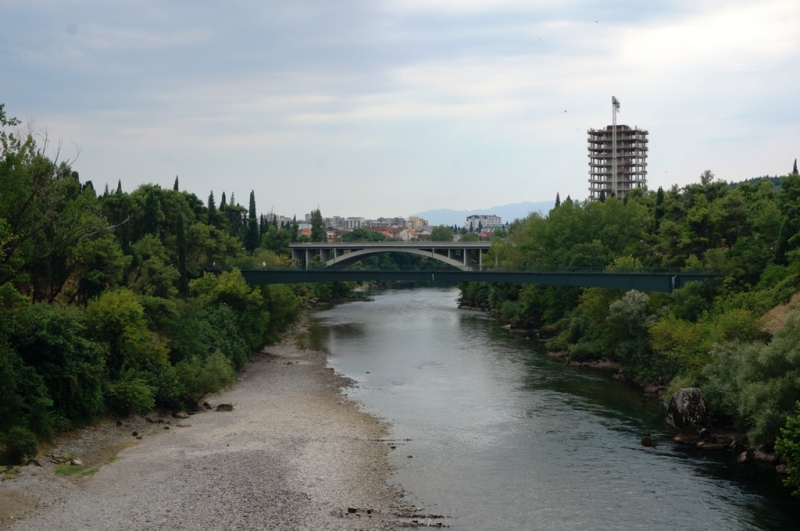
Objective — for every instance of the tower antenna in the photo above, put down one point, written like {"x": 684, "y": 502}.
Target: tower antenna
{"x": 614, "y": 176}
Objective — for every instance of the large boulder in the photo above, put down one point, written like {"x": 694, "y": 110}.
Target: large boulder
{"x": 687, "y": 410}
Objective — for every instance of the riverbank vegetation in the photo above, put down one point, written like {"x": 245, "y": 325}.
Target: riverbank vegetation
{"x": 107, "y": 302}
{"x": 732, "y": 339}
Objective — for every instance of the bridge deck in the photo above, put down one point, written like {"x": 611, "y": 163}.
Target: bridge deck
{"x": 663, "y": 282}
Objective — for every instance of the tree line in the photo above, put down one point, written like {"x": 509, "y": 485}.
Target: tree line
{"x": 712, "y": 337}
{"x": 107, "y": 305}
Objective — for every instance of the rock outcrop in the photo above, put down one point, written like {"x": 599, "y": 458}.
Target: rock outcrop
{"x": 687, "y": 410}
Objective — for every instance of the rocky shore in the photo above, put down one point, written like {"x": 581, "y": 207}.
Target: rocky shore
{"x": 291, "y": 452}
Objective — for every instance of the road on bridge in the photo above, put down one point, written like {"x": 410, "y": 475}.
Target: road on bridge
{"x": 662, "y": 282}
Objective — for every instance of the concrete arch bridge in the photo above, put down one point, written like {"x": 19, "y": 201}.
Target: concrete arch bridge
{"x": 466, "y": 256}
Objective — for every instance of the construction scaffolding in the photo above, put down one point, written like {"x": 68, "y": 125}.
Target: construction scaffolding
{"x": 617, "y": 158}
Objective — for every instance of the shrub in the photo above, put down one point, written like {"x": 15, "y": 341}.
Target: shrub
{"x": 200, "y": 377}
{"x": 788, "y": 445}
{"x": 585, "y": 351}
{"x": 756, "y": 384}
{"x": 117, "y": 319}
{"x": 20, "y": 443}
{"x": 50, "y": 339}
{"x": 130, "y": 394}
{"x": 508, "y": 310}
{"x": 248, "y": 304}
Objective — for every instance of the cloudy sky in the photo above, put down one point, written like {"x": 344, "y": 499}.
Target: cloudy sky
{"x": 377, "y": 107}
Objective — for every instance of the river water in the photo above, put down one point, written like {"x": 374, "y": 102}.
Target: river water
{"x": 494, "y": 435}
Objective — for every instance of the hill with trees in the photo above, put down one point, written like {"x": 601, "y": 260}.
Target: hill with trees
{"x": 107, "y": 305}
{"x": 712, "y": 337}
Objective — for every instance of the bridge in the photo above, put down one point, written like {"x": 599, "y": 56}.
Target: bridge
{"x": 466, "y": 256}
{"x": 655, "y": 281}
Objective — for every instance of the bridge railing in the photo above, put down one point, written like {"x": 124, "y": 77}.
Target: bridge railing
{"x": 487, "y": 268}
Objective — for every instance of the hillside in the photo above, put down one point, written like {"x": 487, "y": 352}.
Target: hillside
{"x": 508, "y": 213}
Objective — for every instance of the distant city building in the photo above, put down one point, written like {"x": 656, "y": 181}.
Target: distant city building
{"x": 415, "y": 223}
{"x": 483, "y": 221}
{"x": 397, "y": 223}
{"x": 354, "y": 223}
{"x": 617, "y": 158}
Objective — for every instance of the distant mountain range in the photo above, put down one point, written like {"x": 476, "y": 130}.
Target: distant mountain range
{"x": 508, "y": 213}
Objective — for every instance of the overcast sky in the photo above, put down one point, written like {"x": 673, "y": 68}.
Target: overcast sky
{"x": 383, "y": 108}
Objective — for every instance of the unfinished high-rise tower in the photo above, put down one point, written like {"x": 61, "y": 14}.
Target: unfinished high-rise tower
{"x": 617, "y": 158}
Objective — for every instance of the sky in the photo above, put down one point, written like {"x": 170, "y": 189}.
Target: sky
{"x": 387, "y": 108}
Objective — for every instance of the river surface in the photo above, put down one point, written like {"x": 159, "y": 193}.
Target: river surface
{"x": 494, "y": 435}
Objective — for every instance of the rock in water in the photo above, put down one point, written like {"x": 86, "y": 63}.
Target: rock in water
{"x": 646, "y": 440}
{"x": 687, "y": 409}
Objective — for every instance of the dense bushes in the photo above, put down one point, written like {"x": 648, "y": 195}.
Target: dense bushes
{"x": 96, "y": 310}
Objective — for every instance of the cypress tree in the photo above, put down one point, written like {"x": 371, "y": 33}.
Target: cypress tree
{"x": 787, "y": 231}
{"x": 602, "y": 197}
{"x": 251, "y": 237}
{"x": 175, "y": 186}
{"x": 317, "y": 226}
{"x": 794, "y": 168}
{"x": 558, "y": 200}
{"x": 119, "y": 186}
{"x": 295, "y": 229}
{"x": 222, "y": 204}
{"x": 183, "y": 280}
{"x": 212, "y": 210}
{"x": 105, "y": 192}
{"x": 151, "y": 215}
{"x": 659, "y": 211}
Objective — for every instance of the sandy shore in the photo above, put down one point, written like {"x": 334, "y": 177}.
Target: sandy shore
{"x": 293, "y": 454}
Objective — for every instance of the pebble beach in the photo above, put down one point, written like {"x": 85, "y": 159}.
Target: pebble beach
{"x": 293, "y": 453}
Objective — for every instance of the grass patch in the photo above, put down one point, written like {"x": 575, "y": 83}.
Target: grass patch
{"x": 83, "y": 471}
{"x": 70, "y": 470}
{"x": 113, "y": 458}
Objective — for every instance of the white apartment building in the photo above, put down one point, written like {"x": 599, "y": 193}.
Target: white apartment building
{"x": 484, "y": 221}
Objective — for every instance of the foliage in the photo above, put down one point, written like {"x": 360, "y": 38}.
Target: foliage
{"x": 229, "y": 288}
{"x": 788, "y": 445}
{"x": 756, "y": 384}
{"x": 96, "y": 313}
{"x": 442, "y": 233}
{"x": 116, "y": 320}
{"x": 19, "y": 443}
{"x": 51, "y": 339}
{"x": 202, "y": 376}
{"x": 130, "y": 394}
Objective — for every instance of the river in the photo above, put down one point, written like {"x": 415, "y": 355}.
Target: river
{"x": 494, "y": 435}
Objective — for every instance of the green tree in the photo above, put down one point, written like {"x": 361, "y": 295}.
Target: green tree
{"x": 317, "y": 226}
{"x": 152, "y": 216}
{"x": 117, "y": 321}
{"x": 213, "y": 215}
{"x": 51, "y": 339}
{"x": 175, "y": 186}
{"x": 251, "y": 238}
{"x": 183, "y": 267}
{"x": 441, "y": 234}
{"x": 788, "y": 445}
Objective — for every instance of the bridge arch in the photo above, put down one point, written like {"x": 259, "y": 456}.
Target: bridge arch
{"x": 344, "y": 260}
{"x": 466, "y": 256}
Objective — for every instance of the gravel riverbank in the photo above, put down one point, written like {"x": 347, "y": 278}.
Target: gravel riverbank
{"x": 293, "y": 454}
